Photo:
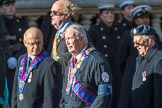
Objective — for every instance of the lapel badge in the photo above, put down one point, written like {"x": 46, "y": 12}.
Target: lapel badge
{"x": 144, "y": 74}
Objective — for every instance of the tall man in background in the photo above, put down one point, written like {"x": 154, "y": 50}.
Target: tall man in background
{"x": 61, "y": 13}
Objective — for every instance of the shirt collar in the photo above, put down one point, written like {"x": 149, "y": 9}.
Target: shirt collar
{"x": 32, "y": 57}
{"x": 80, "y": 54}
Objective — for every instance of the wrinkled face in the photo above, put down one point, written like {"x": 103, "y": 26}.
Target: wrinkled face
{"x": 8, "y": 10}
{"x": 34, "y": 44}
{"x": 108, "y": 16}
{"x": 142, "y": 20}
{"x": 73, "y": 43}
{"x": 57, "y": 15}
{"x": 141, "y": 44}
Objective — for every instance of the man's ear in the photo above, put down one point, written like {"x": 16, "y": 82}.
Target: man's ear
{"x": 24, "y": 43}
{"x": 81, "y": 37}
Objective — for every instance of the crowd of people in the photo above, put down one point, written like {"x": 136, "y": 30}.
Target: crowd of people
{"x": 115, "y": 64}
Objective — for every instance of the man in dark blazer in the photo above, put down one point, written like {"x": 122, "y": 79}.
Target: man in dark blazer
{"x": 87, "y": 80}
{"x": 35, "y": 83}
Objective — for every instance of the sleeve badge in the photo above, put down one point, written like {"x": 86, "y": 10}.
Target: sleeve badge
{"x": 105, "y": 77}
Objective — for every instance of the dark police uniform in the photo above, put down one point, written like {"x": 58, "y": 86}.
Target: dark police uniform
{"x": 106, "y": 41}
{"x": 16, "y": 28}
{"x": 91, "y": 76}
{"x": 42, "y": 91}
{"x": 125, "y": 25}
{"x": 147, "y": 80}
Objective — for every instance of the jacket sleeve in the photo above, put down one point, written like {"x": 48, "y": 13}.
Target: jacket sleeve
{"x": 157, "y": 85}
{"x": 14, "y": 89}
{"x": 103, "y": 80}
{"x": 51, "y": 88}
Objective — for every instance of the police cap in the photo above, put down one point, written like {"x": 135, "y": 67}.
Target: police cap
{"x": 140, "y": 11}
{"x": 6, "y": 1}
{"x": 105, "y": 6}
{"x": 126, "y": 3}
{"x": 143, "y": 29}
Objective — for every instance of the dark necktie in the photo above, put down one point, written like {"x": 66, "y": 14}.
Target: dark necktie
{"x": 29, "y": 60}
{"x": 74, "y": 61}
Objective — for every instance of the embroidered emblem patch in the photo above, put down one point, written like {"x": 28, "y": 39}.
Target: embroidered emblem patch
{"x": 105, "y": 77}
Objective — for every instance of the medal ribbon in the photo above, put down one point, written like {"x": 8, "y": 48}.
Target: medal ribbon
{"x": 84, "y": 94}
{"x": 59, "y": 35}
{"x": 72, "y": 74}
{"x": 22, "y": 78}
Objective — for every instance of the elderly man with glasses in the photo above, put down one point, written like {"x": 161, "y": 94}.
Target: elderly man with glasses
{"x": 146, "y": 85}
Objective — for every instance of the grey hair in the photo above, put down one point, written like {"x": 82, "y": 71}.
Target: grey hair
{"x": 70, "y": 8}
{"x": 79, "y": 30}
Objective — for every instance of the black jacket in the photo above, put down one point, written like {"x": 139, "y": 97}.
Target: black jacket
{"x": 147, "y": 80}
{"x": 43, "y": 91}
{"x": 89, "y": 76}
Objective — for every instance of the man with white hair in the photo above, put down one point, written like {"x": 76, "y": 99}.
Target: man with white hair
{"x": 127, "y": 53}
{"x": 87, "y": 80}
{"x": 147, "y": 79}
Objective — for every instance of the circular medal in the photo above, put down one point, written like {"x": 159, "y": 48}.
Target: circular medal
{"x": 21, "y": 97}
{"x": 29, "y": 80}
{"x": 67, "y": 89}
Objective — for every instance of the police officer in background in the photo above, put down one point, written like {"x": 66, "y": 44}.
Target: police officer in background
{"x": 147, "y": 79}
{"x": 105, "y": 36}
{"x": 126, "y": 21}
{"x": 141, "y": 15}
{"x": 15, "y": 28}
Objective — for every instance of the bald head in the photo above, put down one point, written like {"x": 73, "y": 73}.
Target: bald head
{"x": 33, "y": 32}
{"x": 33, "y": 41}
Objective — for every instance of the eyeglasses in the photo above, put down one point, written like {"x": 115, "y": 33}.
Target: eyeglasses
{"x": 34, "y": 43}
{"x": 139, "y": 42}
{"x": 57, "y": 13}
